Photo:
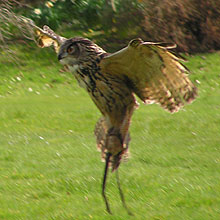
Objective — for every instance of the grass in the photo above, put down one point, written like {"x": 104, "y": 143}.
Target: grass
{"x": 49, "y": 166}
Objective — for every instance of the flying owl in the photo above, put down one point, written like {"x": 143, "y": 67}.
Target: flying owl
{"x": 145, "y": 69}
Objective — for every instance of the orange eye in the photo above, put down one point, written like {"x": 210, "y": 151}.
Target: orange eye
{"x": 70, "y": 49}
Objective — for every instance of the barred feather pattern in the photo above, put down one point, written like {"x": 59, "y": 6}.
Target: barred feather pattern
{"x": 172, "y": 88}
{"x": 171, "y": 91}
{"x": 146, "y": 69}
{"x": 116, "y": 102}
{"x": 101, "y": 132}
{"x": 153, "y": 74}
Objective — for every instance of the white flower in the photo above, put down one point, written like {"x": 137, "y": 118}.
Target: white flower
{"x": 18, "y": 78}
{"x": 49, "y": 4}
{"x": 37, "y": 11}
{"x": 41, "y": 137}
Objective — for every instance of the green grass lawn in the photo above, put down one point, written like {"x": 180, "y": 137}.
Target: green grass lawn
{"x": 50, "y": 168}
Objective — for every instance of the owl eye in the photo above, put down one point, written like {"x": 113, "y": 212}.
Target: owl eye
{"x": 70, "y": 49}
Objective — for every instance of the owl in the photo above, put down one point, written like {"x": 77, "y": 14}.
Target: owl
{"x": 147, "y": 70}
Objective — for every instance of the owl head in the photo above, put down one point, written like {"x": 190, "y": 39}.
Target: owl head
{"x": 78, "y": 50}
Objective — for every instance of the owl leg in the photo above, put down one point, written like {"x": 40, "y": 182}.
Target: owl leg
{"x": 114, "y": 145}
{"x": 107, "y": 160}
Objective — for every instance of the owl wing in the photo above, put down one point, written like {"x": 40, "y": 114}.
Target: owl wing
{"x": 153, "y": 73}
{"x": 46, "y": 37}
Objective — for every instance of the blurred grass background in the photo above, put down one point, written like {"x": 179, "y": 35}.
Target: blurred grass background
{"x": 49, "y": 166}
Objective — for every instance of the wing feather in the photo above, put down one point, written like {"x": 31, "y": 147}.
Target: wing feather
{"x": 46, "y": 37}
{"x": 154, "y": 73}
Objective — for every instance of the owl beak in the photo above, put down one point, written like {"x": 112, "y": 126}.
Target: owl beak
{"x": 60, "y": 57}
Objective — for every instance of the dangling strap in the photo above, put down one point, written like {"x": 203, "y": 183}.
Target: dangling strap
{"x": 104, "y": 182}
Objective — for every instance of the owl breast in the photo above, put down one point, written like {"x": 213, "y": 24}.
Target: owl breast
{"x": 83, "y": 82}
{"x": 82, "y": 76}
{"x": 73, "y": 68}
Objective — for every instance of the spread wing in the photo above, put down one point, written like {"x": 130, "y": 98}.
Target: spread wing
{"x": 153, "y": 73}
{"x": 46, "y": 37}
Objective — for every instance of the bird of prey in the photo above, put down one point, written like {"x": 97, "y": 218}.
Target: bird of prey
{"x": 146, "y": 69}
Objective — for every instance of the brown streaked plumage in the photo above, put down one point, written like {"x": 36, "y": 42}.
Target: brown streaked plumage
{"x": 146, "y": 69}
